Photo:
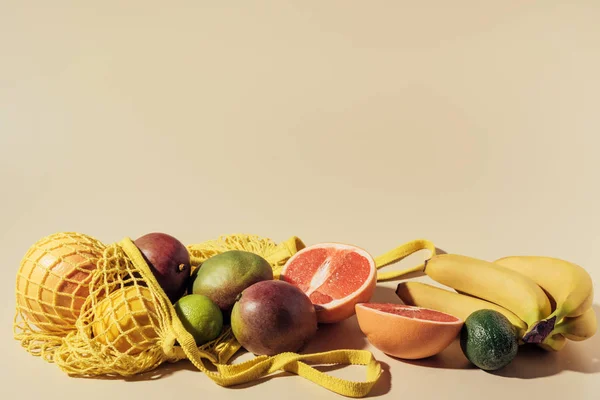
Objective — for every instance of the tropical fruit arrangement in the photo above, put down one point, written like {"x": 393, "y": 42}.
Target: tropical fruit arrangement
{"x": 125, "y": 308}
{"x": 538, "y": 300}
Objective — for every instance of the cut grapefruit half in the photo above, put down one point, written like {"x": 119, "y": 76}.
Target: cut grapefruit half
{"x": 335, "y": 276}
{"x": 407, "y": 332}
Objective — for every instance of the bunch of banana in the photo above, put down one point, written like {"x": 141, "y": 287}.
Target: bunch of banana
{"x": 568, "y": 284}
{"x": 518, "y": 287}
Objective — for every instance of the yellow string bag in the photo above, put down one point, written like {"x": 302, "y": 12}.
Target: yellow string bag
{"x": 127, "y": 325}
{"x": 51, "y": 287}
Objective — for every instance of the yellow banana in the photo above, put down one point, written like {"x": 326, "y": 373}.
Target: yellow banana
{"x": 461, "y": 306}
{"x": 486, "y": 280}
{"x": 553, "y": 342}
{"x": 578, "y": 328}
{"x": 568, "y": 284}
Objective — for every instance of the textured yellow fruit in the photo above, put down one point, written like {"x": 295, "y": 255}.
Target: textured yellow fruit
{"x": 127, "y": 320}
{"x": 53, "y": 278}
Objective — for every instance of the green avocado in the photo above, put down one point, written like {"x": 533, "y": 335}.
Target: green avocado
{"x": 489, "y": 340}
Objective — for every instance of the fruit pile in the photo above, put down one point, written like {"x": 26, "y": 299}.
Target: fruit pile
{"x": 126, "y": 307}
{"x": 267, "y": 316}
{"x": 94, "y": 309}
{"x": 501, "y": 305}
{"x": 318, "y": 284}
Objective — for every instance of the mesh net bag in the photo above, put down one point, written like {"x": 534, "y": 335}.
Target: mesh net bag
{"x": 96, "y": 309}
{"x": 52, "y": 286}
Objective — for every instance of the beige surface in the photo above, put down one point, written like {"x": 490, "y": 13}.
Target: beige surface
{"x": 475, "y": 126}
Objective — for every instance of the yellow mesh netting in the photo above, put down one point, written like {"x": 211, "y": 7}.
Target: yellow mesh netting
{"x": 52, "y": 285}
{"x": 96, "y": 309}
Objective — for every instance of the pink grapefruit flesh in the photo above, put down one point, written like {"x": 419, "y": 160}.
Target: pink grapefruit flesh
{"x": 412, "y": 312}
{"x": 334, "y": 276}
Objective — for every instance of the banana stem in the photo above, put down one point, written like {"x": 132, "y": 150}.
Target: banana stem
{"x": 538, "y": 332}
{"x": 541, "y": 330}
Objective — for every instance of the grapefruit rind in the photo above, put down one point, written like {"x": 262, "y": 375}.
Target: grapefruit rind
{"x": 406, "y": 337}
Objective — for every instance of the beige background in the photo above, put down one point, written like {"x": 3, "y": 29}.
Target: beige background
{"x": 472, "y": 124}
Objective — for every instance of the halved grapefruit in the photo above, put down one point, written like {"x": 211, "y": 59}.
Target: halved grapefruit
{"x": 407, "y": 332}
{"x": 335, "y": 276}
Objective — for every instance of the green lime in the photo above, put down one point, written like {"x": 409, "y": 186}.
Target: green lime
{"x": 200, "y": 317}
{"x": 489, "y": 340}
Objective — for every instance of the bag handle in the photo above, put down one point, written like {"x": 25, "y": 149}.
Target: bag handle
{"x": 400, "y": 253}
